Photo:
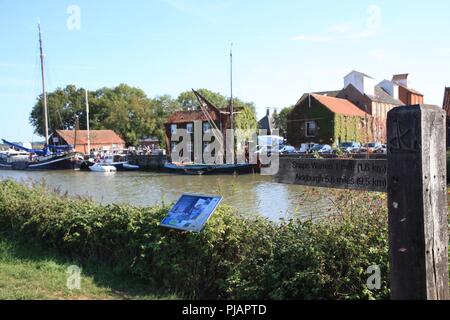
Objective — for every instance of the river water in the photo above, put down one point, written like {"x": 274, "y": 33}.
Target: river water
{"x": 251, "y": 194}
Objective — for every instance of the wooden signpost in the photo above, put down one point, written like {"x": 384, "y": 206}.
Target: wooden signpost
{"x": 415, "y": 179}
{"x": 335, "y": 173}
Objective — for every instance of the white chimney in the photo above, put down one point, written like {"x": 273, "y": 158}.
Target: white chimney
{"x": 401, "y": 79}
{"x": 390, "y": 87}
{"x": 364, "y": 83}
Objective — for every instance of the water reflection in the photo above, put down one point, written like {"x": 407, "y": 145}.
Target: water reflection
{"x": 251, "y": 194}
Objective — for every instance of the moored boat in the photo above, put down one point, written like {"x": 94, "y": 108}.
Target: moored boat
{"x": 101, "y": 167}
{"x": 50, "y": 157}
{"x": 118, "y": 161}
{"x": 205, "y": 169}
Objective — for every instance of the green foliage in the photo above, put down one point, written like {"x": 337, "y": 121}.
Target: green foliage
{"x": 246, "y": 120}
{"x": 128, "y": 112}
{"x": 188, "y": 100}
{"x": 63, "y": 105}
{"x": 124, "y": 109}
{"x": 281, "y": 120}
{"x": 349, "y": 129}
{"x": 234, "y": 257}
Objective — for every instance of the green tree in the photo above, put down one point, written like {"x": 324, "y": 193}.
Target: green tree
{"x": 124, "y": 109}
{"x": 245, "y": 119}
{"x": 188, "y": 100}
{"x": 280, "y": 120}
{"x": 64, "y": 104}
{"x": 162, "y": 108}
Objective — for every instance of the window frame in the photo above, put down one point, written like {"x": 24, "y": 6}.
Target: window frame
{"x": 307, "y": 127}
{"x": 173, "y": 128}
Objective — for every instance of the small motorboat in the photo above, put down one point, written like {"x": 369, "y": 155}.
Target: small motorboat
{"x": 117, "y": 161}
{"x": 120, "y": 162}
{"x": 101, "y": 167}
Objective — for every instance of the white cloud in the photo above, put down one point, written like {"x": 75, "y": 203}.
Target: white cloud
{"x": 342, "y": 28}
{"x": 349, "y": 30}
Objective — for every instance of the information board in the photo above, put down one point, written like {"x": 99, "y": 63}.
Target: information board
{"x": 191, "y": 212}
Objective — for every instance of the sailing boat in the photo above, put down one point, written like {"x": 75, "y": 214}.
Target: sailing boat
{"x": 200, "y": 168}
{"x": 51, "y": 157}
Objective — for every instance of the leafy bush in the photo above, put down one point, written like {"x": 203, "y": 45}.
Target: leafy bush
{"x": 233, "y": 258}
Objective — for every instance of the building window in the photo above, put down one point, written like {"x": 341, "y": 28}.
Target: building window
{"x": 173, "y": 128}
{"x": 190, "y": 128}
{"x": 206, "y": 126}
{"x": 311, "y": 129}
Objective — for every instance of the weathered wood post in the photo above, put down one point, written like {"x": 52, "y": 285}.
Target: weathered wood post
{"x": 417, "y": 201}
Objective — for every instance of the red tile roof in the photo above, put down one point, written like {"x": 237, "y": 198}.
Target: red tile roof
{"x": 191, "y": 116}
{"x": 446, "y": 104}
{"x": 106, "y": 137}
{"x": 341, "y": 106}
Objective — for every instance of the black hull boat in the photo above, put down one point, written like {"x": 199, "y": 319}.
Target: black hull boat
{"x": 61, "y": 162}
{"x": 205, "y": 169}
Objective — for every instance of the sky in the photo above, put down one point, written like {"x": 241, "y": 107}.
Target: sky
{"x": 281, "y": 48}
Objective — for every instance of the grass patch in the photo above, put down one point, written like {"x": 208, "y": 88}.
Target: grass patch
{"x": 30, "y": 272}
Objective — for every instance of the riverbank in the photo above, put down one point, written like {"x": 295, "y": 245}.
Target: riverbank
{"x": 235, "y": 257}
{"x": 30, "y": 272}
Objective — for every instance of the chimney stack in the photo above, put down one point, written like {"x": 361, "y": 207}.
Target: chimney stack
{"x": 401, "y": 79}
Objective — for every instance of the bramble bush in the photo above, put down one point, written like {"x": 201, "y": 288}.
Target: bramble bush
{"x": 234, "y": 257}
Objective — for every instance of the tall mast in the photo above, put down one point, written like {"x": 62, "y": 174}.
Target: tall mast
{"x": 44, "y": 93}
{"x": 87, "y": 123}
{"x": 231, "y": 87}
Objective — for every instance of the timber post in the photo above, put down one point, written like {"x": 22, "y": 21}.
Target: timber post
{"x": 417, "y": 203}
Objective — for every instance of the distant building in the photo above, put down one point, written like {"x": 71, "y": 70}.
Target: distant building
{"x": 326, "y": 120}
{"x": 406, "y": 94}
{"x": 106, "y": 140}
{"x": 149, "y": 142}
{"x": 446, "y": 107}
{"x": 267, "y": 122}
{"x": 209, "y": 116}
{"x": 376, "y": 100}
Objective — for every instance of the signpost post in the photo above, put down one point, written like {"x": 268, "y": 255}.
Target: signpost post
{"x": 415, "y": 179}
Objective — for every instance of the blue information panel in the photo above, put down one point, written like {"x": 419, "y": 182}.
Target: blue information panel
{"x": 191, "y": 212}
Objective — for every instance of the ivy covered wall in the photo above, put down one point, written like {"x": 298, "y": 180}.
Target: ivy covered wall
{"x": 332, "y": 128}
{"x": 352, "y": 128}
{"x": 301, "y": 114}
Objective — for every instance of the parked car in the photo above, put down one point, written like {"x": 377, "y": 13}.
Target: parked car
{"x": 381, "y": 149}
{"x": 306, "y": 147}
{"x": 285, "y": 149}
{"x": 322, "y": 148}
{"x": 288, "y": 150}
{"x": 370, "y": 147}
{"x": 349, "y": 147}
